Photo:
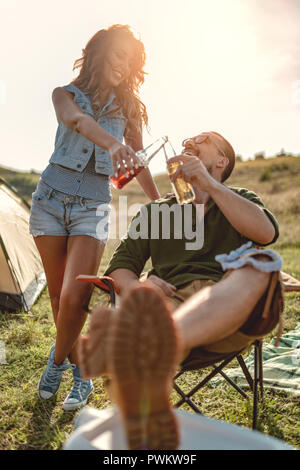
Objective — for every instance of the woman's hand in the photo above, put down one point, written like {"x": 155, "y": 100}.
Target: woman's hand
{"x": 168, "y": 289}
{"x": 122, "y": 155}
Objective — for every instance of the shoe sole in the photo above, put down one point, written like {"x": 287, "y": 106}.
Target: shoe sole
{"x": 143, "y": 349}
{"x": 74, "y": 407}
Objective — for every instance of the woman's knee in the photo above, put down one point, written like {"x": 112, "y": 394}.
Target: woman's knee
{"x": 72, "y": 300}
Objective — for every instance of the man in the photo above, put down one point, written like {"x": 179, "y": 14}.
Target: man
{"x": 186, "y": 309}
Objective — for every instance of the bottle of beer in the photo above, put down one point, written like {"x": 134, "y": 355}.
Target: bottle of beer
{"x": 183, "y": 191}
{"x": 144, "y": 156}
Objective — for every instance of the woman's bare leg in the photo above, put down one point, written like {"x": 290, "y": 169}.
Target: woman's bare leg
{"x": 53, "y": 252}
{"x": 84, "y": 254}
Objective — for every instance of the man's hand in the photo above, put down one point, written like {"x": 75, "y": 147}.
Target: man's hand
{"x": 168, "y": 195}
{"x": 193, "y": 171}
{"x": 165, "y": 287}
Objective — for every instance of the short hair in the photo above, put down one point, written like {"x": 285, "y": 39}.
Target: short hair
{"x": 230, "y": 154}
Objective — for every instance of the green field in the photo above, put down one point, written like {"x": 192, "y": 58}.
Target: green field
{"x": 26, "y": 422}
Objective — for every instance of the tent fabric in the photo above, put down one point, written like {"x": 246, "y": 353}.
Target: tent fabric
{"x": 22, "y": 276}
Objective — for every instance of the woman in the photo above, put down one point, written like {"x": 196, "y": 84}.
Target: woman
{"x": 94, "y": 113}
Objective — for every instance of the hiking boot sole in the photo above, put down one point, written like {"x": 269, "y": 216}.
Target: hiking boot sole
{"x": 143, "y": 350}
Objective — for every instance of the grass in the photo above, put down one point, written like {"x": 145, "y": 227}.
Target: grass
{"x": 29, "y": 423}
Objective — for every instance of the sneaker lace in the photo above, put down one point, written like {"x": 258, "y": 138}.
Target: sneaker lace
{"x": 79, "y": 388}
{"x": 54, "y": 373}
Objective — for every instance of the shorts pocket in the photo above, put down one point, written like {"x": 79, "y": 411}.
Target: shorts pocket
{"x": 93, "y": 205}
{"x": 41, "y": 191}
{"x": 38, "y": 195}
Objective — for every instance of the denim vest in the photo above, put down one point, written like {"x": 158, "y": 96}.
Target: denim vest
{"x": 73, "y": 150}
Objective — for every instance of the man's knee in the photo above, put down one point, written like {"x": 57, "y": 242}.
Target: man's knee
{"x": 262, "y": 261}
{"x": 254, "y": 274}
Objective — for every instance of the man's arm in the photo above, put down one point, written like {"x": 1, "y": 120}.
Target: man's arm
{"x": 244, "y": 215}
{"x": 130, "y": 257}
{"x": 248, "y": 218}
{"x": 124, "y": 279}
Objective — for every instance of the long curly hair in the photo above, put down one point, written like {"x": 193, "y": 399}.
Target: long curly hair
{"x": 127, "y": 93}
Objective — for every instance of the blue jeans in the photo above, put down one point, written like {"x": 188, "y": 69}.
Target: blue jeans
{"x": 56, "y": 213}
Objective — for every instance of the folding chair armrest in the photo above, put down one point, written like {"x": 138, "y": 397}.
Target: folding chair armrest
{"x": 105, "y": 283}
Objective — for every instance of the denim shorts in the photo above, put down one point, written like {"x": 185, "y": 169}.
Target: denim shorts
{"x": 56, "y": 213}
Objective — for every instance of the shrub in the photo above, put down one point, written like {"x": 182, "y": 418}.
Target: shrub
{"x": 259, "y": 156}
{"x": 265, "y": 175}
{"x": 279, "y": 167}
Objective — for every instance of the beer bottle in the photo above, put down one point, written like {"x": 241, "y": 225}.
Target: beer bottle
{"x": 183, "y": 191}
{"x": 144, "y": 156}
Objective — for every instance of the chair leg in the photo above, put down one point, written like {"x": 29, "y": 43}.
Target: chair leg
{"x": 233, "y": 384}
{"x": 255, "y": 383}
{"x": 186, "y": 397}
{"x": 261, "y": 377}
{"x": 245, "y": 371}
{"x": 255, "y": 386}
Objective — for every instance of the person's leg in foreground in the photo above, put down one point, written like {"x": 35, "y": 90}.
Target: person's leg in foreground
{"x": 146, "y": 340}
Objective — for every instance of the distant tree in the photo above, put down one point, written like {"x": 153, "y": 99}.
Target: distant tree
{"x": 282, "y": 153}
{"x": 259, "y": 156}
{"x": 238, "y": 158}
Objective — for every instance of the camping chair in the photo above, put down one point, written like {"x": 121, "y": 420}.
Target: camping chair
{"x": 107, "y": 285}
{"x": 255, "y": 382}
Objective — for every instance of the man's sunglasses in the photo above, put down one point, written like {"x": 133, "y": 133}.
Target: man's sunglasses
{"x": 199, "y": 139}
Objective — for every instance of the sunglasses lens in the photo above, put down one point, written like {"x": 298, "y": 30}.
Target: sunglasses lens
{"x": 196, "y": 140}
{"x": 200, "y": 138}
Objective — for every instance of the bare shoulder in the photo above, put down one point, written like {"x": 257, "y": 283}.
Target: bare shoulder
{"x": 67, "y": 111}
{"x": 60, "y": 93}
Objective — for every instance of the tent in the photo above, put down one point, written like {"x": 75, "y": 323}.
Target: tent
{"x": 22, "y": 277}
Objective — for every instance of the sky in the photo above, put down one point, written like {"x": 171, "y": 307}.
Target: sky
{"x": 232, "y": 66}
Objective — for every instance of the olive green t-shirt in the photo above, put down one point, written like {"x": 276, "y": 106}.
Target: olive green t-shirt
{"x": 171, "y": 260}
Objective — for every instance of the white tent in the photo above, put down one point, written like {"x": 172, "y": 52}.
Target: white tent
{"x": 22, "y": 276}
